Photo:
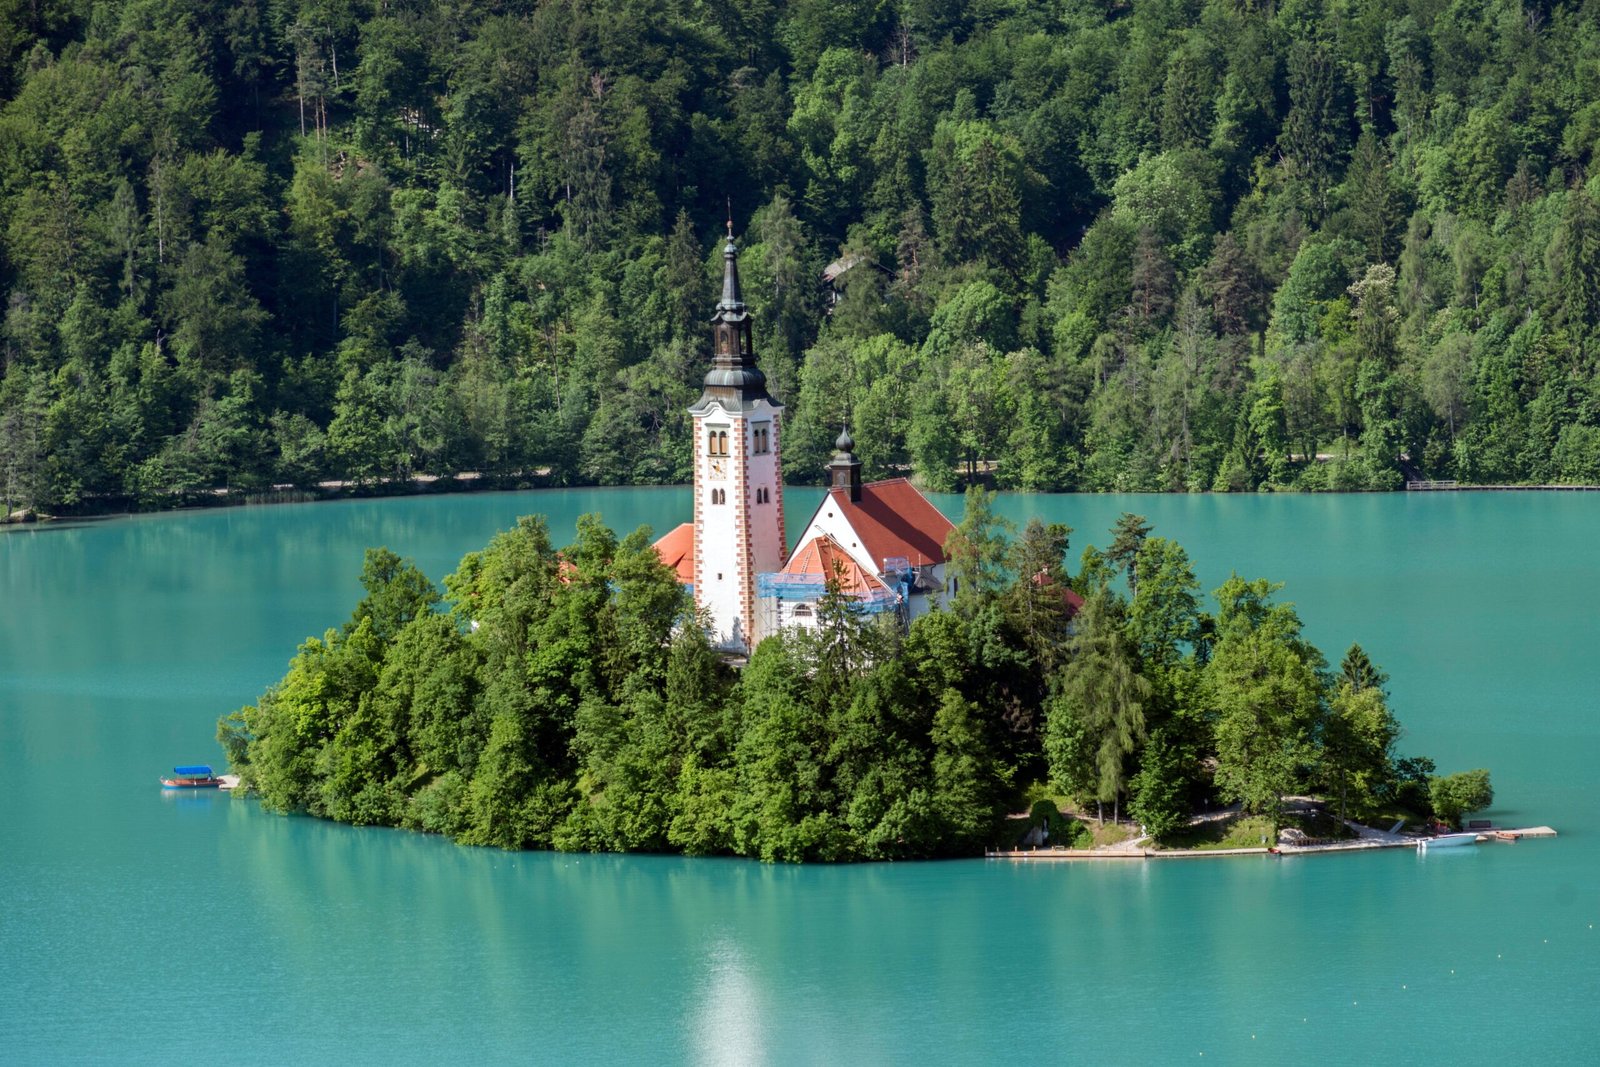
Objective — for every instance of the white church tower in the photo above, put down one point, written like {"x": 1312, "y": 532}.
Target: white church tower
{"x": 738, "y": 491}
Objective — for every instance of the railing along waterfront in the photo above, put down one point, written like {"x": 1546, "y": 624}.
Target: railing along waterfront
{"x": 1457, "y": 487}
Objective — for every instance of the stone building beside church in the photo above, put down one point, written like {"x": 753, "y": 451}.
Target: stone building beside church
{"x": 882, "y": 541}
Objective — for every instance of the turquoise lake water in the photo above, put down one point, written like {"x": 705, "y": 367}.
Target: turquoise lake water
{"x": 136, "y": 926}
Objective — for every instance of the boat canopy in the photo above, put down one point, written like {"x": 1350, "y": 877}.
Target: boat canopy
{"x": 196, "y": 771}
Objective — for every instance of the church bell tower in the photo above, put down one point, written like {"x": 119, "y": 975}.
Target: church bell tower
{"x": 738, "y": 491}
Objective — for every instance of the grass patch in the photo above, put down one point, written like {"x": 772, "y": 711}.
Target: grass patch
{"x": 1111, "y": 833}
{"x": 1247, "y": 831}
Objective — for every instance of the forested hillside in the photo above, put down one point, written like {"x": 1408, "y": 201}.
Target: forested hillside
{"x": 1129, "y": 245}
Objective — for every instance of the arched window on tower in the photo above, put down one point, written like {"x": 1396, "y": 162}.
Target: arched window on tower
{"x": 722, "y": 442}
{"x": 711, "y": 442}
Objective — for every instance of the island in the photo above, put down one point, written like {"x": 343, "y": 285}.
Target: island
{"x": 571, "y": 699}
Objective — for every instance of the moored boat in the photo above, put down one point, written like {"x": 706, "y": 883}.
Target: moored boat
{"x": 198, "y": 776}
{"x": 1448, "y": 840}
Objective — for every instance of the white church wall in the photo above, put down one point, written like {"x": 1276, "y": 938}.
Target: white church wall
{"x": 763, "y": 490}
{"x": 831, "y": 521}
{"x": 717, "y": 574}
{"x": 738, "y": 520}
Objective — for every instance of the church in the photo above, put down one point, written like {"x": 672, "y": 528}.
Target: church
{"x": 882, "y": 541}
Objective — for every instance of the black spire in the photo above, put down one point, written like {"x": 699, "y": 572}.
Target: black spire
{"x": 732, "y": 300}
{"x": 734, "y": 378}
{"x": 844, "y": 470}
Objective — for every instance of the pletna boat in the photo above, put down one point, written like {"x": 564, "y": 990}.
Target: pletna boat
{"x": 198, "y": 776}
{"x": 1448, "y": 841}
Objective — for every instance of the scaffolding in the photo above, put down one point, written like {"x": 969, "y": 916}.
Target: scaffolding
{"x": 790, "y": 599}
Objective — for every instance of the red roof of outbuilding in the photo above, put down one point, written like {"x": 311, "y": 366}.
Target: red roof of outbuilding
{"x": 895, "y": 520}
{"x": 676, "y": 549}
{"x": 1072, "y": 600}
{"x": 824, "y": 556}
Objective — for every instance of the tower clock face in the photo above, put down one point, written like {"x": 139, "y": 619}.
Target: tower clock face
{"x": 719, "y": 468}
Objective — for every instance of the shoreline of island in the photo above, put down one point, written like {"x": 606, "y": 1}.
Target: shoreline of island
{"x": 1383, "y": 841}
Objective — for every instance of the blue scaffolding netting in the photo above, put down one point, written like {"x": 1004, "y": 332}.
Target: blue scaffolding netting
{"x": 810, "y": 587}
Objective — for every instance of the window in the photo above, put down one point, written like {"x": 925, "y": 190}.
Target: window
{"x": 722, "y": 442}
{"x": 763, "y": 496}
{"x": 761, "y": 440}
{"x": 711, "y": 442}
{"x": 716, "y": 442}
{"x": 719, "y": 496}
{"x": 802, "y": 610}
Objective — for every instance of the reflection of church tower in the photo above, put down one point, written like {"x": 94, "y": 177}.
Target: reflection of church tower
{"x": 738, "y": 494}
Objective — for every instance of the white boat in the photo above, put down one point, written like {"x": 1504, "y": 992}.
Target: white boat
{"x": 1447, "y": 841}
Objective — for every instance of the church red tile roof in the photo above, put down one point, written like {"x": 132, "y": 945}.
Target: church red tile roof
{"x": 676, "y": 549}
{"x": 895, "y": 520}
{"x": 824, "y": 556}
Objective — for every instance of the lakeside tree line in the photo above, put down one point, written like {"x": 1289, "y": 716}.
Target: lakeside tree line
{"x": 566, "y": 700}
{"x": 1144, "y": 245}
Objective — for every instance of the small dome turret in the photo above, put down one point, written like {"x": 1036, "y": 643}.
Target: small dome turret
{"x": 844, "y": 471}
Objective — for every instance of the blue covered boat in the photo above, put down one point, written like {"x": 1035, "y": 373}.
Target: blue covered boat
{"x": 198, "y": 776}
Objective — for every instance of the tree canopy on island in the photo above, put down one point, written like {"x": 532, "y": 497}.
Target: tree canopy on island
{"x": 1151, "y": 245}
{"x": 567, "y": 699}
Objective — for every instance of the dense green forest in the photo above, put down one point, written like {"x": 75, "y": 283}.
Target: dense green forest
{"x": 1139, "y": 244}
{"x": 565, "y": 699}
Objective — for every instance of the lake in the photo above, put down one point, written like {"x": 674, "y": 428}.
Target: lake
{"x": 138, "y": 926}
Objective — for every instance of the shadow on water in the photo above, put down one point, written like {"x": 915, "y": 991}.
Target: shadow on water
{"x": 76, "y": 523}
